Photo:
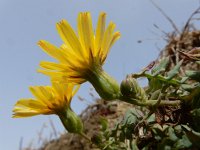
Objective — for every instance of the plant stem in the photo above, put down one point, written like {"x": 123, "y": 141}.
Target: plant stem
{"x": 85, "y": 136}
{"x": 159, "y": 77}
{"x": 150, "y": 102}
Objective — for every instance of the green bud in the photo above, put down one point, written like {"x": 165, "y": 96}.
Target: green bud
{"x": 71, "y": 121}
{"x": 104, "y": 84}
{"x": 130, "y": 88}
{"x": 127, "y": 87}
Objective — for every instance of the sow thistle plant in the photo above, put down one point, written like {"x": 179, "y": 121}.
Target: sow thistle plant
{"x": 81, "y": 57}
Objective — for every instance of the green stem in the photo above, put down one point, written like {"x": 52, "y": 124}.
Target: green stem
{"x": 150, "y": 102}
{"x": 71, "y": 121}
{"x": 159, "y": 77}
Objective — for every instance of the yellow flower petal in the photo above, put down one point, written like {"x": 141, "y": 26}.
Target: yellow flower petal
{"x": 68, "y": 36}
{"x": 52, "y": 50}
{"x": 107, "y": 38}
{"x": 25, "y": 114}
{"x": 31, "y": 103}
{"x": 100, "y": 32}
{"x": 48, "y": 100}
{"x": 114, "y": 38}
{"x": 54, "y": 66}
{"x": 82, "y": 53}
{"x": 85, "y": 24}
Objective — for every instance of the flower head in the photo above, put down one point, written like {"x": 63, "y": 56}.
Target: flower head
{"x": 48, "y": 100}
{"x": 81, "y": 53}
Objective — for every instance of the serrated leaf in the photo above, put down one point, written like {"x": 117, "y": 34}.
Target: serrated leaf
{"x": 161, "y": 67}
{"x": 130, "y": 118}
{"x": 171, "y": 74}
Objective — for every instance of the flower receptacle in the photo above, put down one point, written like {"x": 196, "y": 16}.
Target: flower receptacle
{"x": 71, "y": 121}
{"x": 104, "y": 84}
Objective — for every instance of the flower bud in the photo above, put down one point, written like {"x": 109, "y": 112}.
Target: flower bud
{"x": 130, "y": 88}
{"x": 71, "y": 121}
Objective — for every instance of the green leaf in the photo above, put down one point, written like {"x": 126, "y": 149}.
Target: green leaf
{"x": 183, "y": 79}
{"x": 161, "y": 67}
{"x": 104, "y": 123}
{"x": 150, "y": 119}
{"x": 155, "y": 94}
{"x": 192, "y": 135}
{"x": 131, "y": 118}
{"x": 174, "y": 71}
{"x": 178, "y": 130}
{"x": 172, "y": 135}
{"x": 154, "y": 85}
{"x": 162, "y": 79}
{"x": 190, "y": 87}
{"x": 194, "y": 75}
{"x": 184, "y": 142}
{"x": 157, "y": 131}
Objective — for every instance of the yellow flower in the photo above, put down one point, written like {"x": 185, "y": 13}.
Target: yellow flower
{"x": 81, "y": 54}
{"x": 48, "y": 100}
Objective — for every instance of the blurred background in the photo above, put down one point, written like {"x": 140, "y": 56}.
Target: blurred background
{"x": 23, "y": 23}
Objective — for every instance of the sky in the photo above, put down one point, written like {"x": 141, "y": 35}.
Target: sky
{"x": 24, "y": 22}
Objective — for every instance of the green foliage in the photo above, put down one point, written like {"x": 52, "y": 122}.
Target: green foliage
{"x": 159, "y": 125}
{"x": 194, "y": 75}
{"x": 171, "y": 74}
{"x": 161, "y": 67}
{"x": 114, "y": 139}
